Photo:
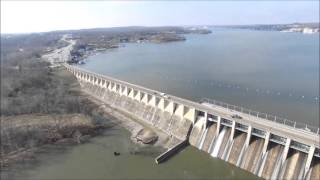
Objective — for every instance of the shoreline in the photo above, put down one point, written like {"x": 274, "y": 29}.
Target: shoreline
{"x": 63, "y": 130}
{"x": 23, "y": 152}
{"x": 24, "y": 134}
{"x": 132, "y": 124}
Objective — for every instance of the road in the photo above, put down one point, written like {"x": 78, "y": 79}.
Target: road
{"x": 61, "y": 55}
{"x": 295, "y": 134}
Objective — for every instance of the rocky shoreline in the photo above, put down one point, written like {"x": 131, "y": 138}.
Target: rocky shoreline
{"x": 141, "y": 133}
{"x": 24, "y": 135}
{"x": 46, "y": 105}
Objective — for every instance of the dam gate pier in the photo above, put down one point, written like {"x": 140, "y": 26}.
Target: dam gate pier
{"x": 266, "y": 148}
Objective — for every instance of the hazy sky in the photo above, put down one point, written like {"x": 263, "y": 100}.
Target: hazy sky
{"x": 37, "y": 16}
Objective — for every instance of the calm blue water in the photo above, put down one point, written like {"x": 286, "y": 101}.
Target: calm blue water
{"x": 271, "y": 72}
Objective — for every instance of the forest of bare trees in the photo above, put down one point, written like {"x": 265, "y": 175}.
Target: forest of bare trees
{"x": 28, "y": 85}
{"x": 39, "y": 104}
{"x": 48, "y": 98}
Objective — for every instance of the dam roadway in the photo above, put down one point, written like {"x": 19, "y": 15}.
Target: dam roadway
{"x": 199, "y": 118}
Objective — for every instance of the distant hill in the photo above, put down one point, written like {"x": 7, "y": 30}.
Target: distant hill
{"x": 295, "y": 27}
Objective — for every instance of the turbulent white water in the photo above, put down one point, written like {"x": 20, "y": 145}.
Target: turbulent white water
{"x": 212, "y": 143}
{"x": 241, "y": 154}
{"x": 277, "y": 167}
{"x": 204, "y": 134}
{"x": 218, "y": 143}
{"x": 264, "y": 158}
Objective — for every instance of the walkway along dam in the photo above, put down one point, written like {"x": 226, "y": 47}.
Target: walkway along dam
{"x": 266, "y": 148}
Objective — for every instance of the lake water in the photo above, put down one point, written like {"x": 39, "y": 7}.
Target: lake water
{"x": 270, "y": 72}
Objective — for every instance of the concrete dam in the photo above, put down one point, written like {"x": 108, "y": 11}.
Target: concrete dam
{"x": 266, "y": 148}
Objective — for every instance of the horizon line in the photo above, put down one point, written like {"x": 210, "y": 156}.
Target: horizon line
{"x": 147, "y": 26}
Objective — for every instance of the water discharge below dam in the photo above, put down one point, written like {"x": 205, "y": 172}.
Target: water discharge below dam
{"x": 171, "y": 74}
{"x": 95, "y": 160}
{"x": 212, "y": 134}
{"x": 227, "y": 140}
{"x": 170, "y": 68}
{"x": 250, "y": 156}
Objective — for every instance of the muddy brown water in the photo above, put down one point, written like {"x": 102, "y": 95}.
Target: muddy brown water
{"x": 95, "y": 160}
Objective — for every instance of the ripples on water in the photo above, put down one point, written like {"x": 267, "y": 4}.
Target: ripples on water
{"x": 271, "y": 72}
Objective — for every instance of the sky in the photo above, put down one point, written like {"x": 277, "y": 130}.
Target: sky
{"x": 41, "y": 16}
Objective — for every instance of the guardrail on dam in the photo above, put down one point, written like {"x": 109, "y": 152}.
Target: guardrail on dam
{"x": 266, "y": 148}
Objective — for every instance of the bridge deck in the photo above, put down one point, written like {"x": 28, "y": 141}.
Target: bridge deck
{"x": 256, "y": 122}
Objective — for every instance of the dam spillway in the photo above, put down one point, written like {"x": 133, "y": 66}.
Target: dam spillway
{"x": 266, "y": 148}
